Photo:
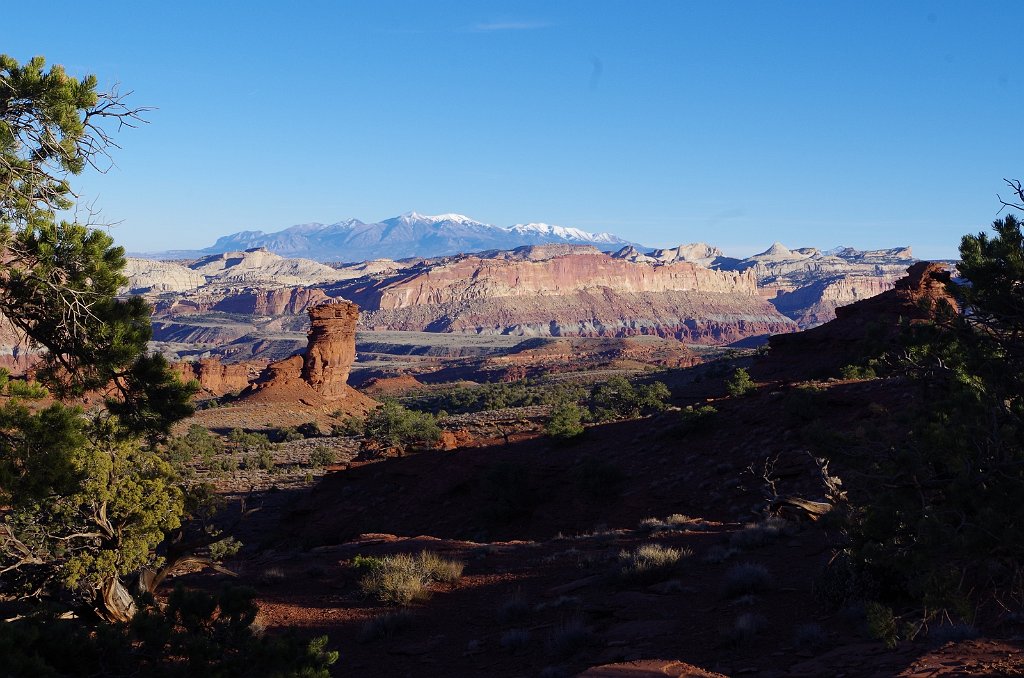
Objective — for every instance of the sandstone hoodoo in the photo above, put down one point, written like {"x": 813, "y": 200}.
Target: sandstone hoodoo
{"x": 317, "y": 378}
{"x": 332, "y": 347}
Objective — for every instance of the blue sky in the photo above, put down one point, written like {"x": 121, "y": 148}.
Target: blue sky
{"x": 871, "y": 124}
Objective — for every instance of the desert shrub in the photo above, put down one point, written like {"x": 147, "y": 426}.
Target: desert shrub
{"x": 402, "y": 578}
{"x": 349, "y": 426}
{"x": 599, "y": 479}
{"x": 617, "y": 398}
{"x": 569, "y": 636}
{"x": 756, "y": 535}
{"x": 197, "y": 634}
{"x": 860, "y": 371}
{"x": 695, "y": 419}
{"x": 394, "y": 426}
{"x": 746, "y": 627}
{"x": 262, "y": 460}
{"x": 310, "y": 429}
{"x": 565, "y": 422}
{"x": 386, "y": 626}
{"x": 440, "y": 569}
{"x": 740, "y": 383}
{"x": 322, "y": 456}
{"x": 272, "y": 576}
{"x": 718, "y": 554}
{"x": 507, "y": 494}
{"x": 197, "y": 443}
{"x": 248, "y": 442}
{"x": 746, "y": 578}
{"x": 882, "y": 624}
{"x": 286, "y": 434}
{"x": 650, "y": 562}
{"x": 513, "y": 608}
{"x": 224, "y": 549}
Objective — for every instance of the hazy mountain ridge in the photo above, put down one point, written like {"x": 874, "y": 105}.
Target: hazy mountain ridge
{"x": 408, "y": 235}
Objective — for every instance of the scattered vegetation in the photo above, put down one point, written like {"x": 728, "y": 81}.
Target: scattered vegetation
{"x": 746, "y": 578}
{"x": 402, "y": 579}
{"x": 387, "y": 626}
{"x": 393, "y": 426}
{"x": 322, "y": 456}
{"x": 650, "y": 562}
{"x": 617, "y": 398}
{"x": 740, "y": 383}
{"x": 565, "y": 422}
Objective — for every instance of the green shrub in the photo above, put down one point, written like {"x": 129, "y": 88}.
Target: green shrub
{"x": 695, "y": 419}
{"x": 617, "y": 398}
{"x": 740, "y": 383}
{"x": 224, "y": 549}
{"x": 745, "y": 579}
{"x": 859, "y": 371}
{"x": 565, "y": 422}
{"x": 349, "y": 426}
{"x": 322, "y": 456}
{"x": 393, "y": 426}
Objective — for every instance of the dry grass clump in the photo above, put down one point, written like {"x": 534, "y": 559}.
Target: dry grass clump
{"x": 651, "y": 562}
{"x": 402, "y": 579}
{"x": 570, "y": 636}
{"x": 746, "y": 627}
{"x": 386, "y": 626}
{"x": 756, "y": 535}
{"x": 746, "y": 578}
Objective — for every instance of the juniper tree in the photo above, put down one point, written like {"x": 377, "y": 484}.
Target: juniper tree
{"x": 85, "y": 498}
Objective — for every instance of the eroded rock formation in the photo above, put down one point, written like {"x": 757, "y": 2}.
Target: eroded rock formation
{"x": 860, "y": 330}
{"x": 318, "y": 377}
{"x": 217, "y": 378}
{"x": 332, "y": 347}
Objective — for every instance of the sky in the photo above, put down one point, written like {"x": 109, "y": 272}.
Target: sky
{"x": 870, "y": 124}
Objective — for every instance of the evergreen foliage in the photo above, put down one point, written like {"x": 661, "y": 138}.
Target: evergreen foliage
{"x": 88, "y": 495}
{"x": 946, "y": 507}
{"x": 617, "y": 398}
{"x": 394, "y": 426}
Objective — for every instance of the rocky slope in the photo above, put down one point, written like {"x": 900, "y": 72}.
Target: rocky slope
{"x": 867, "y": 327}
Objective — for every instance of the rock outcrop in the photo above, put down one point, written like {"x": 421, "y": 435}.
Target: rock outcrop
{"x": 332, "y": 347}
{"x": 317, "y": 378}
{"x": 216, "y": 378}
{"x": 860, "y": 330}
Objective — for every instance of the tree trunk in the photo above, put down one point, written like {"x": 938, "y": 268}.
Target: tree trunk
{"x": 114, "y": 602}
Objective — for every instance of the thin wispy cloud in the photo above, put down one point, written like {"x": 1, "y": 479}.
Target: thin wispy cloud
{"x": 493, "y": 26}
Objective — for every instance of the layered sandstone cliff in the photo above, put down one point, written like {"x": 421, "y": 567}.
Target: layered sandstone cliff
{"x": 216, "y": 378}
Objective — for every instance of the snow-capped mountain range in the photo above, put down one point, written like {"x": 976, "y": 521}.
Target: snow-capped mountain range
{"x": 408, "y": 235}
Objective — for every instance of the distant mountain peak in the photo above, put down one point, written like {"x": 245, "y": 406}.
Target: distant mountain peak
{"x": 411, "y": 234}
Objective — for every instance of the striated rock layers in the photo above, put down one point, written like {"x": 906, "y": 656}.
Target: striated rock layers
{"x": 332, "y": 347}
{"x": 581, "y": 294}
{"x": 215, "y": 377}
{"x": 861, "y": 330}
